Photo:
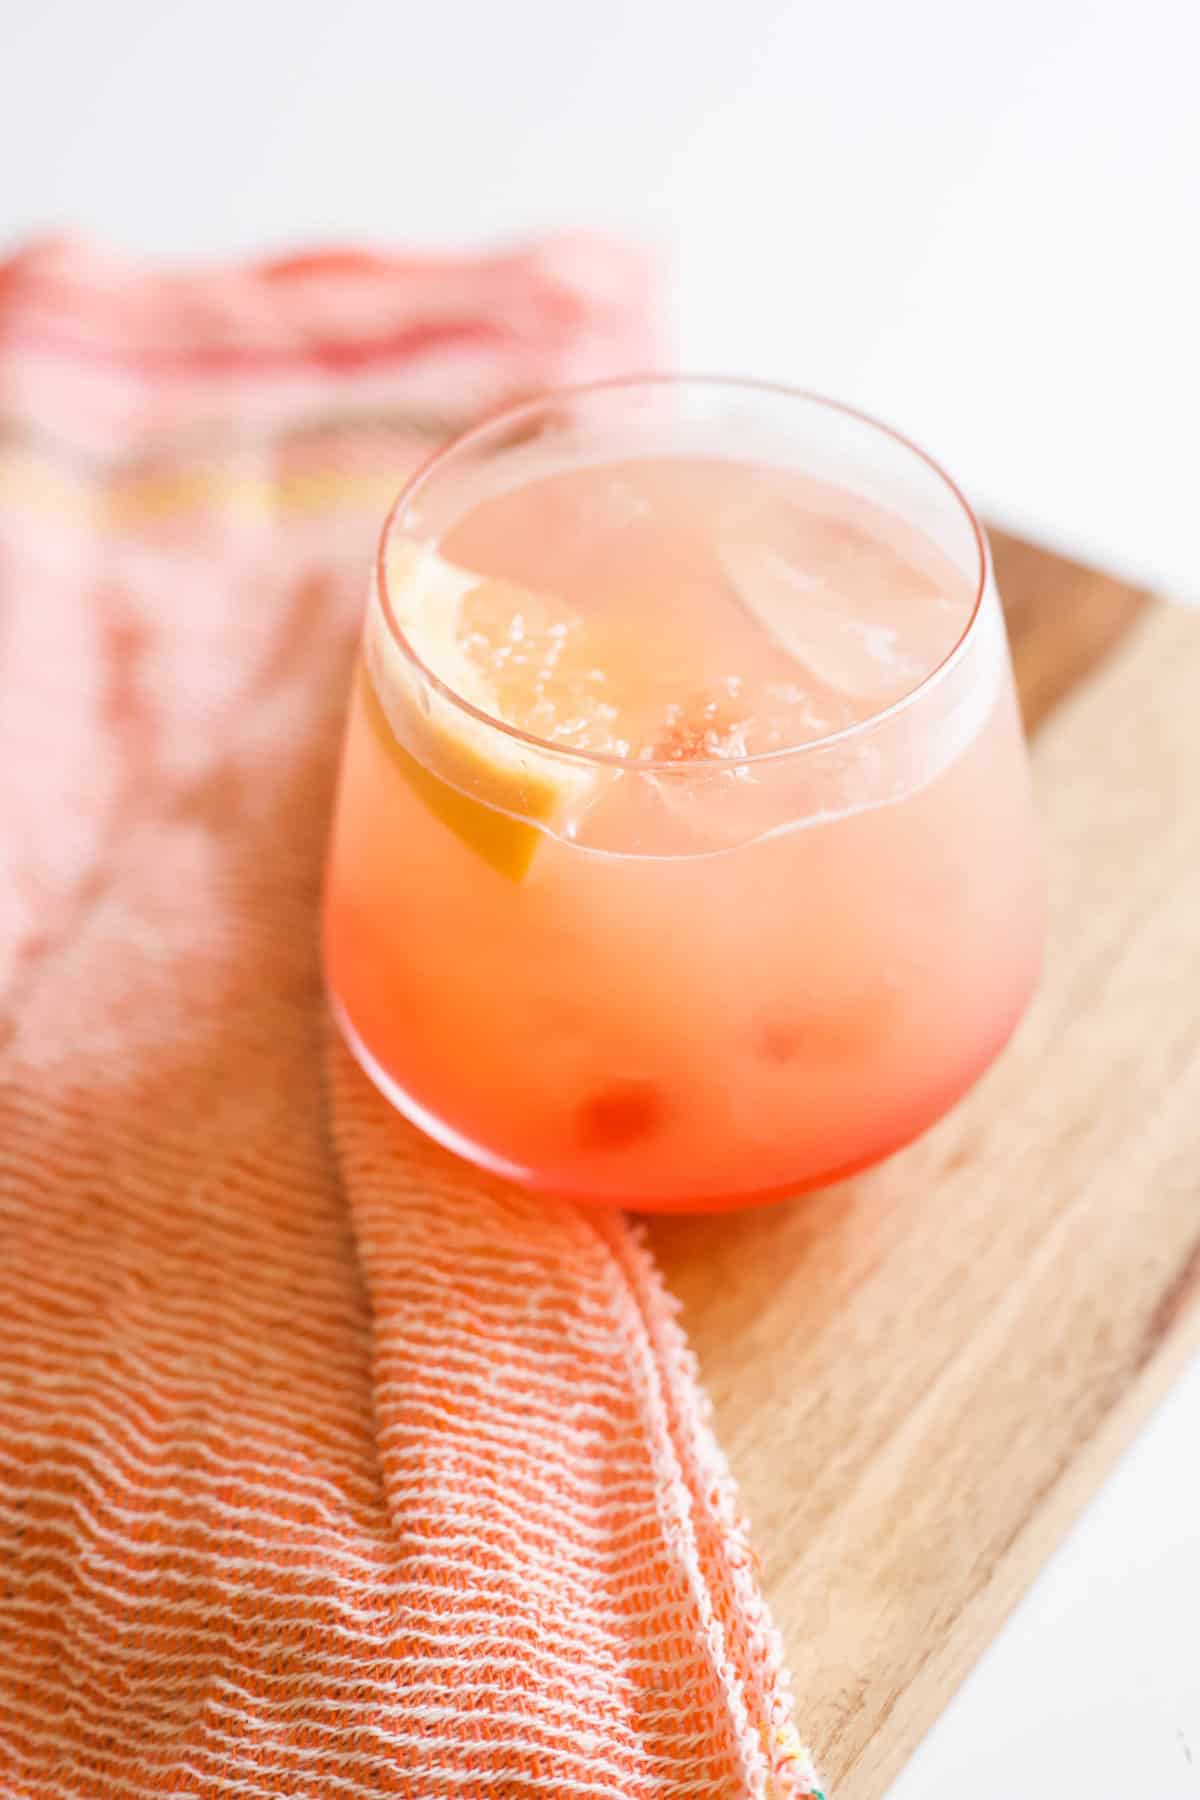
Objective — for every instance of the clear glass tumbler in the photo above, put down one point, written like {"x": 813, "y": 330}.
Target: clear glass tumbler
{"x": 698, "y": 979}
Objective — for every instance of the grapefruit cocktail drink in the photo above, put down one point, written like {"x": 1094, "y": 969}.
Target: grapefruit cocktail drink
{"x": 683, "y": 853}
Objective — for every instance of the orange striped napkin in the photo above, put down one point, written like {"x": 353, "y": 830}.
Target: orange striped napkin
{"x": 327, "y": 1468}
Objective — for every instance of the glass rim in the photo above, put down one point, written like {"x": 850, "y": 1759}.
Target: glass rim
{"x": 511, "y": 413}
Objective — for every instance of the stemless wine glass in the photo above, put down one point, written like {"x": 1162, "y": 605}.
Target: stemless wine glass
{"x": 681, "y": 983}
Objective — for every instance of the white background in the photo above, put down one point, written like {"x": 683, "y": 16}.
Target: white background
{"x": 980, "y": 220}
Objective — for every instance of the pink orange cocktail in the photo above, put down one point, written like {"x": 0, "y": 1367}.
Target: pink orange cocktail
{"x": 683, "y": 854}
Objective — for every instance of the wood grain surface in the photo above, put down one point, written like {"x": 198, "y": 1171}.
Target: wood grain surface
{"x": 922, "y": 1375}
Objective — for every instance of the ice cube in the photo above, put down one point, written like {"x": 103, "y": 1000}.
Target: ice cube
{"x": 838, "y": 617}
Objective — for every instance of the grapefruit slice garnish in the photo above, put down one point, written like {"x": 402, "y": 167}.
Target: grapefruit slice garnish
{"x": 495, "y": 647}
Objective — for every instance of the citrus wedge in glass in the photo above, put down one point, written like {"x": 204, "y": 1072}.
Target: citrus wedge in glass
{"x": 510, "y": 654}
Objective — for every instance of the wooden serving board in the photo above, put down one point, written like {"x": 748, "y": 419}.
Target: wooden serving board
{"x": 922, "y": 1375}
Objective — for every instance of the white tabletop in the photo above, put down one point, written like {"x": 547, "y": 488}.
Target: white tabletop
{"x": 1092, "y": 1690}
{"x": 980, "y": 222}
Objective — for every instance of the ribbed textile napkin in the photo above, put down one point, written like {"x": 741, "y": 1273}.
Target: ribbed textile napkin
{"x": 327, "y": 1468}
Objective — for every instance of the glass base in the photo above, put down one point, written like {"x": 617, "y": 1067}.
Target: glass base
{"x": 418, "y": 1115}
{"x": 436, "y": 1128}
